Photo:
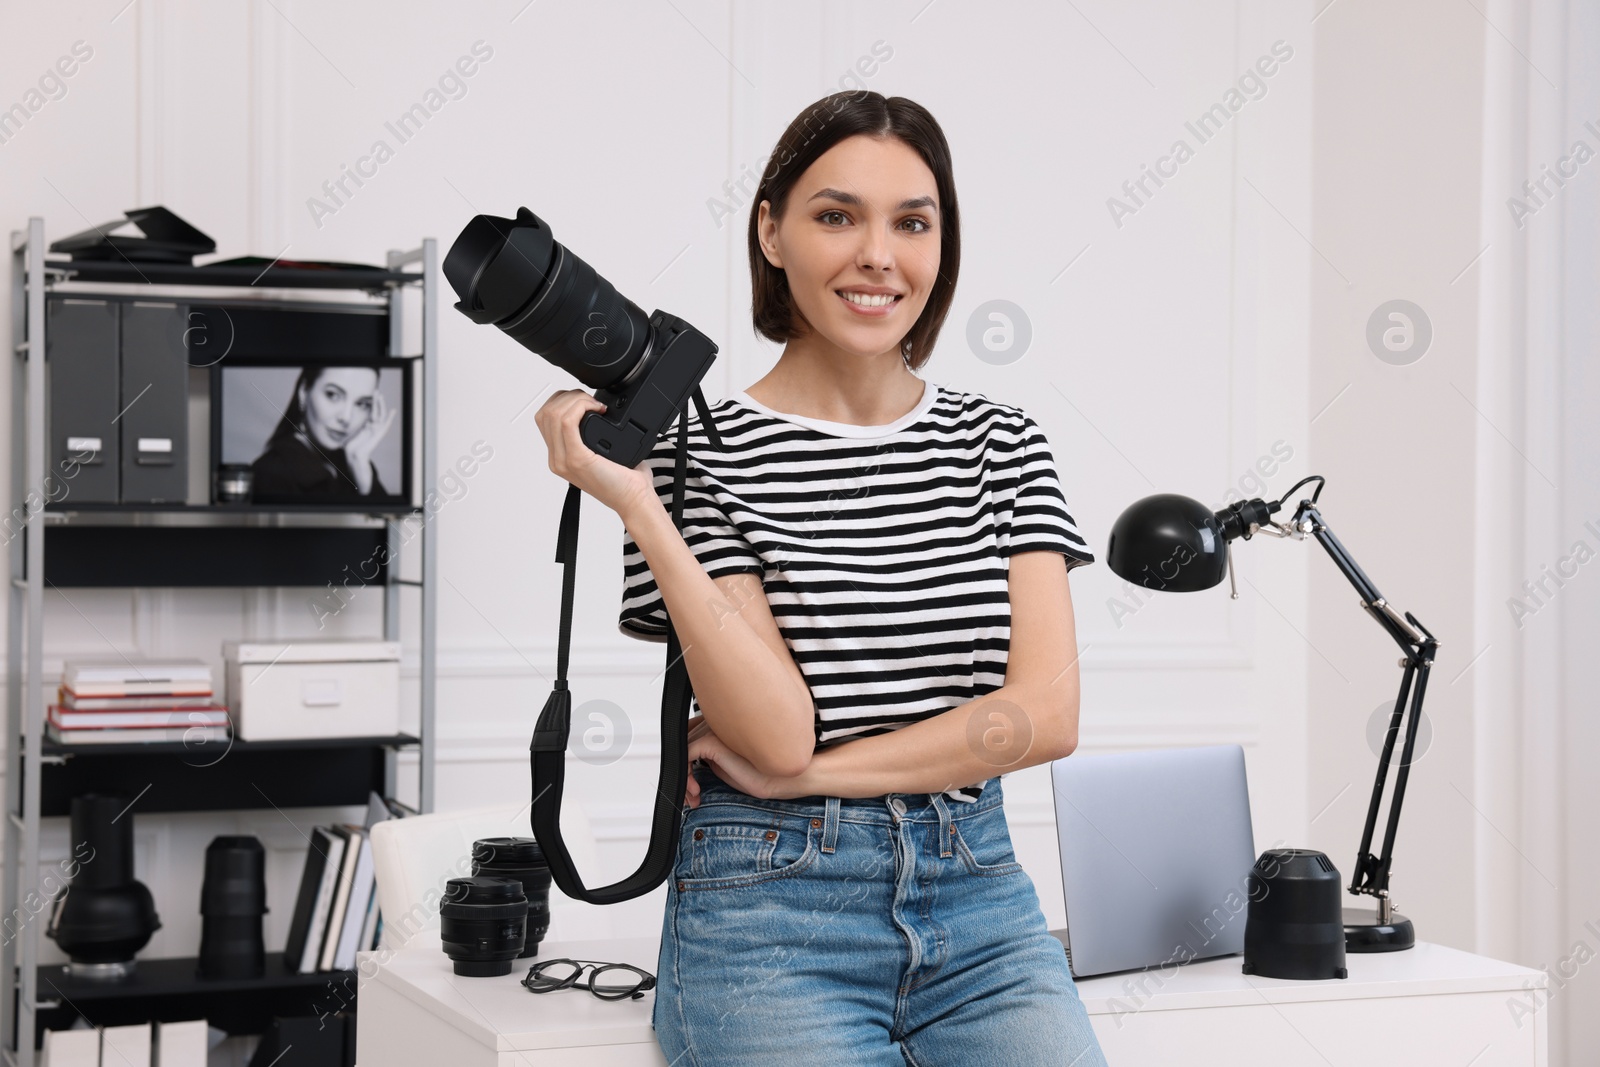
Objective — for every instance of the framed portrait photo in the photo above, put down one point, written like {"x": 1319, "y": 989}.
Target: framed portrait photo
{"x": 325, "y": 432}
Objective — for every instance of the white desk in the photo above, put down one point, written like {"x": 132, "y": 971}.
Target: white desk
{"x": 1430, "y": 1004}
{"x": 415, "y": 1012}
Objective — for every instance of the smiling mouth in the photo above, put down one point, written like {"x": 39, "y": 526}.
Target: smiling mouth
{"x": 864, "y": 300}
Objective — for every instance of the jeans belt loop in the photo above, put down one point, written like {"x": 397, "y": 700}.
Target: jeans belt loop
{"x": 945, "y": 829}
{"x": 830, "y": 825}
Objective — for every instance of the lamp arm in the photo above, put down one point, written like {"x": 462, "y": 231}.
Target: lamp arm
{"x": 1371, "y": 873}
{"x": 1308, "y": 519}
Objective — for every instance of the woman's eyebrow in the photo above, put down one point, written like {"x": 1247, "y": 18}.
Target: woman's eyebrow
{"x": 855, "y": 201}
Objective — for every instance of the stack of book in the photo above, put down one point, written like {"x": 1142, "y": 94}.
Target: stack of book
{"x": 143, "y": 700}
{"x": 336, "y": 910}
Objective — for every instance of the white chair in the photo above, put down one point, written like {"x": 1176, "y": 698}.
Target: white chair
{"x": 414, "y": 858}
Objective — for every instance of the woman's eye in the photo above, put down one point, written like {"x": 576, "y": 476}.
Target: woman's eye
{"x": 922, "y": 223}
{"x": 826, "y": 214}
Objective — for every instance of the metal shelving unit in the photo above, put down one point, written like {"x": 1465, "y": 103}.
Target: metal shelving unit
{"x": 41, "y": 776}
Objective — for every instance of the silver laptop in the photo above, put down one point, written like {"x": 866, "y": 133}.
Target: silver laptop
{"x": 1156, "y": 850}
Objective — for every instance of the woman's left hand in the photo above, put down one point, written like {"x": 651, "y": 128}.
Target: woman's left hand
{"x": 738, "y": 771}
{"x": 358, "y": 450}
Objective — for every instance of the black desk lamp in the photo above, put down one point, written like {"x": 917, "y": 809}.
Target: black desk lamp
{"x": 1177, "y": 544}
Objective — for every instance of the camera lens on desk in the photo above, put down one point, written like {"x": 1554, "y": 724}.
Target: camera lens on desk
{"x": 482, "y": 922}
{"x": 519, "y": 858}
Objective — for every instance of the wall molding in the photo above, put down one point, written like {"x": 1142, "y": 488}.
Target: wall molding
{"x": 1537, "y": 330}
{"x": 497, "y": 661}
{"x": 152, "y": 71}
{"x": 269, "y": 149}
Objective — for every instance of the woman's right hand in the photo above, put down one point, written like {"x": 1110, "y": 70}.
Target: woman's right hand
{"x": 617, "y": 487}
{"x": 691, "y": 792}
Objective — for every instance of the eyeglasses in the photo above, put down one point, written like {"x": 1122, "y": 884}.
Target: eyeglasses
{"x": 564, "y": 974}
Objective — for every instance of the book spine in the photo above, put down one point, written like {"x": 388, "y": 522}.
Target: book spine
{"x": 310, "y": 883}
{"x": 355, "y": 914}
{"x": 341, "y": 900}
{"x": 77, "y": 720}
{"x": 324, "y": 902}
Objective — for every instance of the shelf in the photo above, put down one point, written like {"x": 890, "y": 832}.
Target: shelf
{"x": 171, "y": 990}
{"x": 320, "y": 551}
{"x": 229, "y": 509}
{"x": 121, "y": 556}
{"x": 271, "y": 277}
{"x": 227, "y": 775}
{"x": 52, "y": 748}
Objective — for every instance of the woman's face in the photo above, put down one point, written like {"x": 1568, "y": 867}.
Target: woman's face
{"x": 338, "y": 404}
{"x": 863, "y": 219}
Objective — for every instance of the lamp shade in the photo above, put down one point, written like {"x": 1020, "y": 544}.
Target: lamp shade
{"x": 1168, "y": 542}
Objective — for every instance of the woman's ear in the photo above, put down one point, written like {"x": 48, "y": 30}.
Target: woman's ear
{"x": 767, "y": 233}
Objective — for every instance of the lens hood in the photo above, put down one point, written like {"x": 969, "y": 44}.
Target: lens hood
{"x": 498, "y": 265}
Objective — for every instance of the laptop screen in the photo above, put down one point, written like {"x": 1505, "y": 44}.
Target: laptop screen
{"x": 1156, "y": 851}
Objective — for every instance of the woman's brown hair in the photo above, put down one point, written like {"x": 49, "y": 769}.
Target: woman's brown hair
{"x": 814, "y": 131}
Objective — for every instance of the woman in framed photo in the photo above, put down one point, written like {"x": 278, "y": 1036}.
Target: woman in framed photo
{"x": 321, "y": 449}
{"x": 870, "y": 589}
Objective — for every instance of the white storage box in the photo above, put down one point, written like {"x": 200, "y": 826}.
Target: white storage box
{"x": 290, "y": 690}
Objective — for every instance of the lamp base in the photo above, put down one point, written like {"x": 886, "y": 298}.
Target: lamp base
{"x": 1363, "y": 932}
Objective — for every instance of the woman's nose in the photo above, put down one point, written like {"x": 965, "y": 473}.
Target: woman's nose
{"x": 874, "y": 254}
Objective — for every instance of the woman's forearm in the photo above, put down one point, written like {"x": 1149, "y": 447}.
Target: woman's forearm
{"x": 1005, "y": 730}
{"x": 750, "y": 698}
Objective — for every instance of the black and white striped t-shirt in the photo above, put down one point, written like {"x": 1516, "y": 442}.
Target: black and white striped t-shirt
{"x": 883, "y": 550}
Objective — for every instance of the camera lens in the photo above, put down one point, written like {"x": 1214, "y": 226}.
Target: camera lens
{"x": 482, "y": 922}
{"x": 234, "y": 482}
{"x": 519, "y": 858}
{"x": 233, "y": 898}
{"x": 515, "y": 274}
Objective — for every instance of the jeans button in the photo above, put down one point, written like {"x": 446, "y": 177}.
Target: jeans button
{"x": 898, "y": 805}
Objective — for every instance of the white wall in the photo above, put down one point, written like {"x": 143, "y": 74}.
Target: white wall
{"x": 1397, "y": 141}
{"x": 1460, "y": 476}
{"x": 1173, "y": 349}
{"x": 1539, "y": 477}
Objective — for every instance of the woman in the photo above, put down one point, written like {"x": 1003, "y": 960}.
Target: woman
{"x": 870, "y": 594}
{"x": 322, "y": 447}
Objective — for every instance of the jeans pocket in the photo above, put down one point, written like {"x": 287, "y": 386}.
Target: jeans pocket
{"x": 983, "y": 841}
{"x": 728, "y": 846}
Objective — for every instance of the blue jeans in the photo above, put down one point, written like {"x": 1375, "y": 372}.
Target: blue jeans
{"x": 880, "y": 932}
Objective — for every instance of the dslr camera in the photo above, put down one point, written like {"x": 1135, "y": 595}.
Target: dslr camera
{"x": 514, "y": 274}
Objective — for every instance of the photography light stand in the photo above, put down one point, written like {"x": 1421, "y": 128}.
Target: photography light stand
{"x": 1384, "y": 930}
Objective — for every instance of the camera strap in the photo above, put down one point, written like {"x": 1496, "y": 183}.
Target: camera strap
{"x": 548, "y": 750}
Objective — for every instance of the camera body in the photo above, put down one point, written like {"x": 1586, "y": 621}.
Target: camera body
{"x": 640, "y": 408}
